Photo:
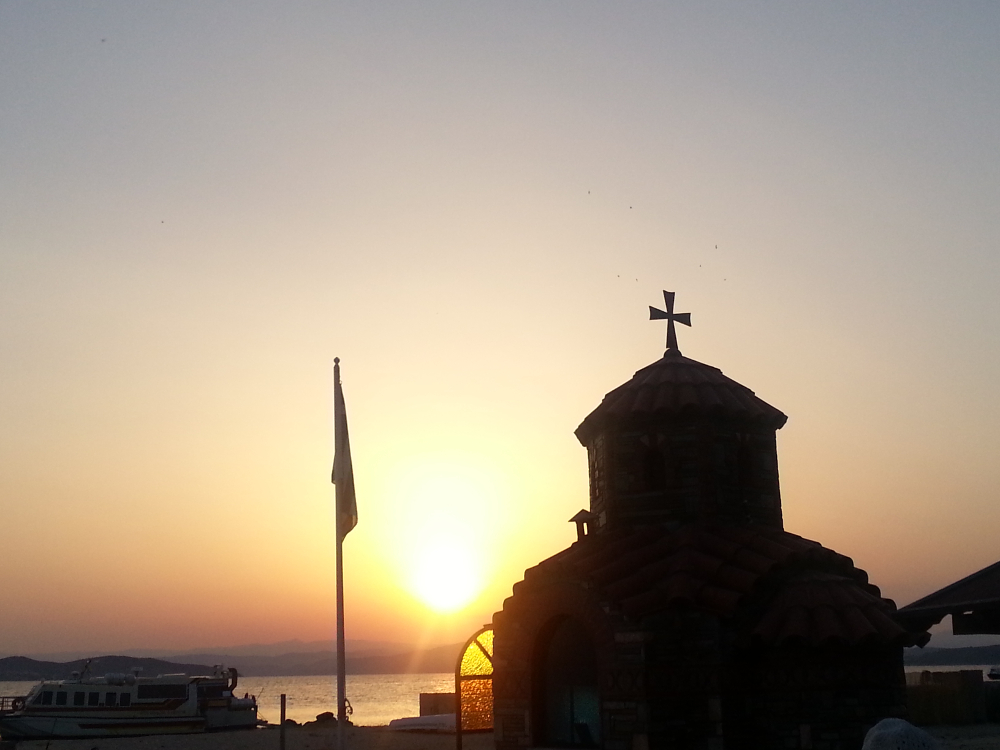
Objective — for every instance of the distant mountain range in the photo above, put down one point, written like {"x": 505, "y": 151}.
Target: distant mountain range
{"x": 374, "y": 661}
{"x": 17, "y": 668}
{"x": 354, "y": 647}
{"x": 439, "y": 659}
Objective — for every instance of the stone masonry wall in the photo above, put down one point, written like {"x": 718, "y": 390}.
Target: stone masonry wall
{"x": 814, "y": 698}
{"x": 521, "y": 627}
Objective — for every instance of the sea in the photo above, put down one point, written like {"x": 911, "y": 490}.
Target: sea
{"x": 376, "y": 699}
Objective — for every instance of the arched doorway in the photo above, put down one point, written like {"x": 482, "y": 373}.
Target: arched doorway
{"x": 567, "y": 698}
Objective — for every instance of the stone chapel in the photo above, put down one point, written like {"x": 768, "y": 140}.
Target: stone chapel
{"x": 685, "y": 616}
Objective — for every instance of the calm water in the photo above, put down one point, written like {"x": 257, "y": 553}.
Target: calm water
{"x": 376, "y": 698}
{"x": 984, "y": 668}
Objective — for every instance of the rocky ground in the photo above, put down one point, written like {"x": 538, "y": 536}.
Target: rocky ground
{"x": 296, "y": 738}
{"x": 972, "y": 737}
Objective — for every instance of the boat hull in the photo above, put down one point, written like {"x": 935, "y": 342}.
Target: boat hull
{"x": 25, "y": 727}
{"x": 44, "y": 727}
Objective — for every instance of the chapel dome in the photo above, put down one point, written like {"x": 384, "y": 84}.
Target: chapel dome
{"x": 675, "y": 387}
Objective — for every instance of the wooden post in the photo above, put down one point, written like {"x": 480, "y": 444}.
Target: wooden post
{"x": 281, "y": 732}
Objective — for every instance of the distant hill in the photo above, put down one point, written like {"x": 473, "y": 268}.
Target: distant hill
{"x": 440, "y": 659}
{"x": 355, "y": 647}
{"x": 948, "y": 657}
{"x": 17, "y": 668}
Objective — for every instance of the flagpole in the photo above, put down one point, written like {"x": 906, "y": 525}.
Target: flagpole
{"x": 340, "y": 491}
{"x": 341, "y": 660}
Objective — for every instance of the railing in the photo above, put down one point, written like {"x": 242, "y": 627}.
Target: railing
{"x": 10, "y": 703}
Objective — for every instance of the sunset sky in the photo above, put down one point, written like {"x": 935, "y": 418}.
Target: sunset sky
{"x": 472, "y": 205}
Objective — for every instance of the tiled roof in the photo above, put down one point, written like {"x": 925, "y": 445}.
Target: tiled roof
{"x": 814, "y": 607}
{"x": 785, "y": 588}
{"x": 677, "y": 386}
{"x": 981, "y": 590}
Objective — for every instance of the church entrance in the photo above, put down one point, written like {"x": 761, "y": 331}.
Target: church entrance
{"x": 566, "y": 689}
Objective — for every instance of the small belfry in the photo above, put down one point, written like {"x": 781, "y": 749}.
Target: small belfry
{"x": 685, "y": 616}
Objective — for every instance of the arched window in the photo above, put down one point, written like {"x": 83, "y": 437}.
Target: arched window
{"x": 474, "y": 685}
{"x": 567, "y": 698}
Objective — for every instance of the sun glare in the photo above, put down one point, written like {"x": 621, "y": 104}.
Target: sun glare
{"x": 444, "y": 575}
{"x": 446, "y": 508}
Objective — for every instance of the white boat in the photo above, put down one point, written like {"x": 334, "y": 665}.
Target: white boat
{"x": 119, "y": 705}
{"x": 432, "y": 723}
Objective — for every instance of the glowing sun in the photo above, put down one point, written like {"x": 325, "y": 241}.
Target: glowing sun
{"x": 445, "y": 543}
{"x": 445, "y": 577}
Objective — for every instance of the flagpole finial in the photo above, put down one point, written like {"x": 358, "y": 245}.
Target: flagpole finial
{"x": 336, "y": 360}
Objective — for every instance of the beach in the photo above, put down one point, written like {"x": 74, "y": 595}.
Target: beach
{"x": 296, "y": 738}
{"x": 973, "y": 737}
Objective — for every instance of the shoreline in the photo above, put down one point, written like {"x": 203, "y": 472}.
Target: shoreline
{"x": 971, "y": 737}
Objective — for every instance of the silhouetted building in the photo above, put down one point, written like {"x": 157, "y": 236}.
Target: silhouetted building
{"x": 684, "y": 616}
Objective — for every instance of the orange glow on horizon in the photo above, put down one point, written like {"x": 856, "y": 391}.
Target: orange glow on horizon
{"x": 203, "y": 210}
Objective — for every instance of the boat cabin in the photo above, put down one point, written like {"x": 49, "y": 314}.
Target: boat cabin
{"x": 124, "y": 705}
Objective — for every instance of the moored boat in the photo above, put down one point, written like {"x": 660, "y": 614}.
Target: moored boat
{"x": 119, "y": 705}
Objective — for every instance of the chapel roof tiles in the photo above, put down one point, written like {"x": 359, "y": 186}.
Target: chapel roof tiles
{"x": 675, "y": 386}
{"x": 816, "y": 607}
{"x": 787, "y": 588}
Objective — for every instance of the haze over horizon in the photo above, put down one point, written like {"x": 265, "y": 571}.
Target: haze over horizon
{"x": 203, "y": 204}
{"x": 354, "y": 649}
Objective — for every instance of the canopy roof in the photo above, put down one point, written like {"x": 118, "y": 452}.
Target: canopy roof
{"x": 977, "y": 592}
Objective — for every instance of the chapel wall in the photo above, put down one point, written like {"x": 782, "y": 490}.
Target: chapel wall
{"x": 823, "y": 698}
{"x": 683, "y": 472}
{"x": 520, "y": 633}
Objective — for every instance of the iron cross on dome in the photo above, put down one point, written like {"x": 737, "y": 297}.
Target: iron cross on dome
{"x": 671, "y": 317}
